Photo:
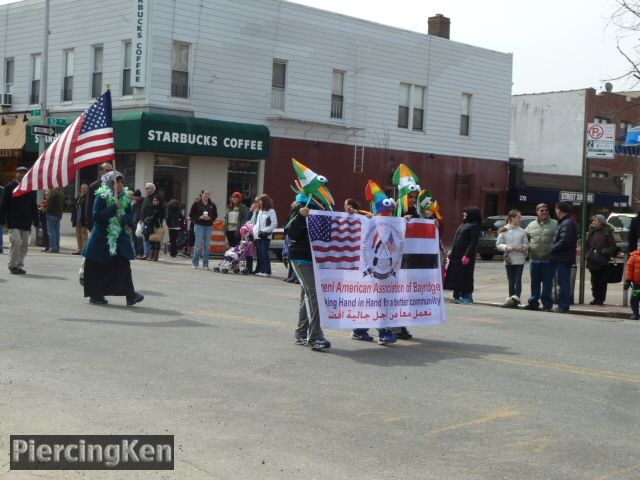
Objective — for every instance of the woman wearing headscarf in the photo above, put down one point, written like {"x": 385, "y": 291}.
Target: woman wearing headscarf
{"x": 107, "y": 270}
{"x": 236, "y": 216}
{"x": 601, "y": 246}
{"x": 462, "y": 259}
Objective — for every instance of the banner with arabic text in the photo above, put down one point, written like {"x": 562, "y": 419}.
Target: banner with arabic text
{"x": 376, "y": 272}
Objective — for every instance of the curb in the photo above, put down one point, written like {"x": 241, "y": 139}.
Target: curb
{"x": 575, "y": 311}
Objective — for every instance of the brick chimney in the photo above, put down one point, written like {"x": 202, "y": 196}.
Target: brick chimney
{"x": 439, "y": 26}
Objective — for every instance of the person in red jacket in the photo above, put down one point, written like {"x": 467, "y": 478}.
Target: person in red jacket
{"x": 633, "y": 278}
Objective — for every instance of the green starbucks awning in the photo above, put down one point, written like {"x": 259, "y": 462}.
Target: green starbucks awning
{"x": 160, "y": 133}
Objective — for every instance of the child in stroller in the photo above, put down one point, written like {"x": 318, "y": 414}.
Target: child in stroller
{"x": 243, "y": 253}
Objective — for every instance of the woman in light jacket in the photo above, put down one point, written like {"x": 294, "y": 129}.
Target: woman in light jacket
{"x": 514, "y": 244}
{"x": 265, "y": 224}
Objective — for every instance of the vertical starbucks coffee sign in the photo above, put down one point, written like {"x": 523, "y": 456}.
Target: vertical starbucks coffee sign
{"x": 139, "y": 51}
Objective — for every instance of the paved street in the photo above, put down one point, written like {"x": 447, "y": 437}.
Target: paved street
{"x": 492, "y": 394}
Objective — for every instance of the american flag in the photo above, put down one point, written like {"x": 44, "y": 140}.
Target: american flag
{"x": 335, "y": 241}
{"x": 87, "y": 141}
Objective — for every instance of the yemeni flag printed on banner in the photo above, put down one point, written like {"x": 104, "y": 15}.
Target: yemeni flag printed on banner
{"x": 376, "y": 272}
{"x": 421, "y": 246}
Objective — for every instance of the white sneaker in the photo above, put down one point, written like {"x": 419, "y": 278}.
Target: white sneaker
{"x": 260, "y": 274}
{"x": 195, "y": 267}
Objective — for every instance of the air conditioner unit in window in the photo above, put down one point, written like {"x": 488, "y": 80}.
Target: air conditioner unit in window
{"x": 5, "y": 99}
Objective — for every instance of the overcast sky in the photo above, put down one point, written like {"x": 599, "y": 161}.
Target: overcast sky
{"x": 556, "y": 44}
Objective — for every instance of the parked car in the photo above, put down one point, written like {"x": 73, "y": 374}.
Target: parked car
{"x": 620, "y": 223}
{"x": 277, "y": 242}
{"x": 489, "y": 234}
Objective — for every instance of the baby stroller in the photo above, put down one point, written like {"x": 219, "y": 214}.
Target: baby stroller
{"x": 234, "y": 258}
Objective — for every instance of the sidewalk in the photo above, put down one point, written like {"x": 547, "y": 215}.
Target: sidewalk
{"x": 490, "y": 283}
{"x": 491, "y": 289}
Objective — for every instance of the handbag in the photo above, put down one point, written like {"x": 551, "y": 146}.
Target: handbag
{"x": 614, "y": 271}
{"x": 157, "y": 235}
{"x": 140, "y": 230}
{"x": 596, "y": 260}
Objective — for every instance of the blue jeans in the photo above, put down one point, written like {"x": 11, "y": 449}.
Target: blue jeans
{"x": 146, "y": 248}
{"x": 203, "y": 239}
{"x": 514, "y": 277}
{"x": 264, "y": 262}
{"x": 53, "y": 229}
{"x": 563, "y": 277}
{"x": 541, "y": 274}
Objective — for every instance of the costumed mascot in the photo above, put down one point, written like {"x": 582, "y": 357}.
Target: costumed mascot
{"x": 312, "y": 185}
{"x": 407, "y": 183}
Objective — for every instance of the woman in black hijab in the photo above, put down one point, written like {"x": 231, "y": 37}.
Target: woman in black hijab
{"x": 462, "y": 258}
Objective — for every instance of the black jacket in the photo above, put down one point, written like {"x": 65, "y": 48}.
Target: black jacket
{"x": 565, "y": 241}
{"x": 80, "y": 204}
{"x": 18, "y": 212}
{"x": 296, "y": 229}
{"x": 91, "y": 198}
{"x": 174, "y": 217}
{"x": 634, "y": 233}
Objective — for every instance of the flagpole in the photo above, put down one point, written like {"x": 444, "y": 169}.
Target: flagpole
{"x": 114, "y": 155}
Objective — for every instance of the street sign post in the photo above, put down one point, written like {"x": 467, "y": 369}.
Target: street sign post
{"x": 601, "y": 140}
{"x": 43, "y": 130}
{"x": 60, "y": 122}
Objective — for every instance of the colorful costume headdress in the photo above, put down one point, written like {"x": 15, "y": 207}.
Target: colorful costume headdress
{"x": 312, "y": 185}
{"x": 428, "y": 204}
{"x": 380, "y": 203}
{"x": 407, "y": 182}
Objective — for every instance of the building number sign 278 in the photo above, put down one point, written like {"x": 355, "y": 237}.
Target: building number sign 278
{"x": 523, "y": 198}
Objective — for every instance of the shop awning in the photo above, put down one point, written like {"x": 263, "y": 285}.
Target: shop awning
{"x": 12, "y": 137}
{"x": 630, "y": 150}
{"x": 173, "y": 134}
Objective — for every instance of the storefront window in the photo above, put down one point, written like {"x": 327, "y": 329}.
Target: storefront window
{"x": 243, "y": 177}
{"x": 170, "y": 174}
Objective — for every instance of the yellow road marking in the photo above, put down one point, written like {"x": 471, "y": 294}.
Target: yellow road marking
{"x": 617, "y": 473}
{"x": 496, "y": 415}
{"x": 493, "y": 357}
{"x": 539, "y": 444}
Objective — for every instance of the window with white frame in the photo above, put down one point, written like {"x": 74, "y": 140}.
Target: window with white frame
{"x": 278, "y": 84}
{"x": 9, "y": 66}
{"x": 337, "y": 94}
{"x": 36, "y": 73}
{"x": 127, "y": 89}
{"x": 96, "y": 75}
{"x": 601, "y": 120}
{"x": 180, "y": 70}
{"x": 465, "y": 114}
{"x": 67, "y": 81}
{"x": 403, "y": 109}
{"x": 411, "y": 107}
{"x": 418, "y": 109}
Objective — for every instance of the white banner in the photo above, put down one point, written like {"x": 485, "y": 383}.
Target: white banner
{"x": 376, "y": 272}
{"x": 139, "y": 50}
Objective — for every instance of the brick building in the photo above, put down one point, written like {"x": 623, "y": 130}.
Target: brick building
{"x": 547, "y": 143}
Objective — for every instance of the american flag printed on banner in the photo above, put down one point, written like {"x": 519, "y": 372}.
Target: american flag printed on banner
{"x": 87, "y": 141}
{"x": 335, "y": 241}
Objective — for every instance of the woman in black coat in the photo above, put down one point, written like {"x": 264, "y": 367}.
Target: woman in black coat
{"x": 601, "y": 246}
{"x": 462, "y": 258}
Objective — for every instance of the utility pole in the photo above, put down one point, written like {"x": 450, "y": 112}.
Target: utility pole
{"x": 43, "y": 102}
{"x": 584, "y": 218}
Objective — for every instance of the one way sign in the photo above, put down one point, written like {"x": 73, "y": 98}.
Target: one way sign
{"x": 44, "y": 130}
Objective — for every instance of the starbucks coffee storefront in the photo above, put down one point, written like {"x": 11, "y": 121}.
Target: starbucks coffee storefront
{"x": 184, "y": 155}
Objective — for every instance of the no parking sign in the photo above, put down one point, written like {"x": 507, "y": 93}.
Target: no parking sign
{"x": 601, "y": 140}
